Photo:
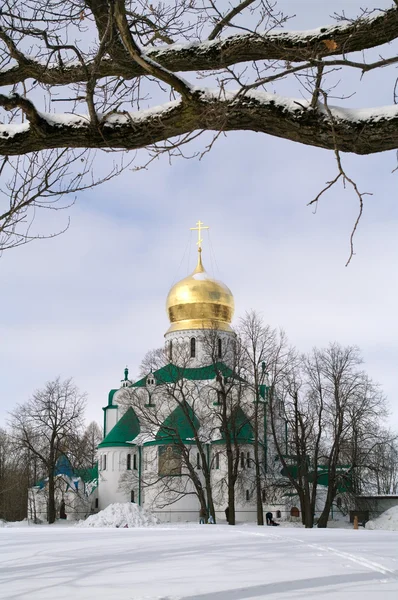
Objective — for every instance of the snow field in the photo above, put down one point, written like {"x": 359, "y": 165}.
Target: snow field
{"x": 211, "y": 562}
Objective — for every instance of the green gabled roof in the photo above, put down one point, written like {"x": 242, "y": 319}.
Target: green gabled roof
{"x": 171, "y": 374}
{"x": 125, "y": 430}
{"x": 240, "y": 428}
{"x": 181, "y": 424}
{"x": 89, "y": 474}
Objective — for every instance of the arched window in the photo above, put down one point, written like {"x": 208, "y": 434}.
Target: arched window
{"x": 263, "y": 495}
{"x": 132, "y": 496}
{"x": 128, "y": 462}
{"x": 247, "y": 495}
{"x": 104, "y": 462}
{"x": 217, "y": 460}
{"x": 135, "y": 462}
{"x": 193, "y": 347}
{"x": 171, "y": 350}
{"x": 249, "y": 462}
{"x": 339, "y": 502}
{"x": 219, "y": 348}
{"x": 242, "y": 460}
{"x": 198, "y": 461}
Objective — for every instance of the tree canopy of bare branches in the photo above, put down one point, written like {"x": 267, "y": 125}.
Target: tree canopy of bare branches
{"x": 96, "y": 54}
{"x": 81, "y": 76}
{"x": 46, "y": 425}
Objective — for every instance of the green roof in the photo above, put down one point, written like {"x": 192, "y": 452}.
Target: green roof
{"x": 181, "y": 424}
{"x": 240, "y": 428}
{"x": 89, "y": 474}
{"x": 171, "y": 374}
{"x": 125, "y": 430}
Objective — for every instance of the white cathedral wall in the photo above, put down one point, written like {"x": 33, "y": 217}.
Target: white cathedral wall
{"x": 111, "y": 418}
{"x": 109, "y": 490}
{"x": 181, "y": 347}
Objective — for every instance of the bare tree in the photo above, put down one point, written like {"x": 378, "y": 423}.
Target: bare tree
{"x": 103, "y": 59}
{"x": 45, "y": 424}
{"x": 82, "y": 447}
{"x": 257, "y": 342}
{"x": 16, "y": 473}
{"x": 329, "y": 404}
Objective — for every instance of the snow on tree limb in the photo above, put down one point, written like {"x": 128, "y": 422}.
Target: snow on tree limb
{"x": 361, "y": 131}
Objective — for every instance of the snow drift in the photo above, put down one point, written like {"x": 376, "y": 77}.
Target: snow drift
{"x": 121, "y": 515}
{"x": 387, "y": 520}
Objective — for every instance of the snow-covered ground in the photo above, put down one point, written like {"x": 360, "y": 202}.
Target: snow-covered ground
{"x": 196, "y": 562}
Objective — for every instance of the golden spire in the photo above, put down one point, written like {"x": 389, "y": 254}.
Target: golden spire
{"x": 199, "y": 267}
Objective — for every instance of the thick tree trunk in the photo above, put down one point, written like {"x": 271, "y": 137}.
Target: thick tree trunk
{"x": 51, "y": 498}
{"x": 323, "y": 519}
{"x": 259, "y": 503}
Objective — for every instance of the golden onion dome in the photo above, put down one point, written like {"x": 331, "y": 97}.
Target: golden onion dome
{"x": 200, "y": 302}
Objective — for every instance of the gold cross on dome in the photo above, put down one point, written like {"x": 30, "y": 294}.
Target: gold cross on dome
{"x": 199, "y": 228}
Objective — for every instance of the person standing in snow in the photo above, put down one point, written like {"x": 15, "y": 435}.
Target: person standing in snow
{"x": 62, "y": 512}
{"x": 210, "y": 520}
{"x": 202, "y": 516}
{"x": 268, "y": 518}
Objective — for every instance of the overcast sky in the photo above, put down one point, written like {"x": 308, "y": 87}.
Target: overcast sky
{"x": 90, "y": 302}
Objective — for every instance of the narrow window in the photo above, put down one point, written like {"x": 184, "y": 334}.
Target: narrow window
{"x": 128, "y": 462}
{"x": 132, "y": 496}
{"x": 247, "y": 495}
{"x": 338, "y": 502}
{"x": 104, "y": 462}
{"x": 193, "y": 347}
{"x": 263, "y": 496}
{"x": 135, "y": 462}
{"x": 249, "y": 462}
{"x": 96, "y": 503}
{"x": 217, "y": 460}
{"x": 171, "y": 351}
{"x": 198, "y": 461}
{"x": 242, "y": 460}
{"x": 219, "y": 348}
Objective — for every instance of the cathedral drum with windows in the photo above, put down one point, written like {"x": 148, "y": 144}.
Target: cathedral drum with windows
{"x": 159, "y": 430}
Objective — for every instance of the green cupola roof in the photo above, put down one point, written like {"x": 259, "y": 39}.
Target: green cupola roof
{"x": 125, "y": 430}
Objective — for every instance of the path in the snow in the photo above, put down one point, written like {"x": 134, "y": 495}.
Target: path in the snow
{"x": 197, "y": 563}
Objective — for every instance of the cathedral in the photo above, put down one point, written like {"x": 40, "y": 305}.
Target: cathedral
{"x": 164, "y": 441}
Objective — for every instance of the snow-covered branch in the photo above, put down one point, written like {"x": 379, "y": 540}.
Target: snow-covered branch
{"x": 361, "y": 131}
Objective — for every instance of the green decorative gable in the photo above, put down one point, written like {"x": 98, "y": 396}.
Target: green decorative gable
{"x": 239, "y": 428}
{"x": 171, "y": 374}
{"x": 125, "y": 430}
{"x": 181, "y": 424}
{"x": 110, "y": 397}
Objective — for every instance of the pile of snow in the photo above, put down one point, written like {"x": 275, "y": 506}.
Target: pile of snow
{"x": 121, "y": 515}
{"x": 387, "y": 520}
